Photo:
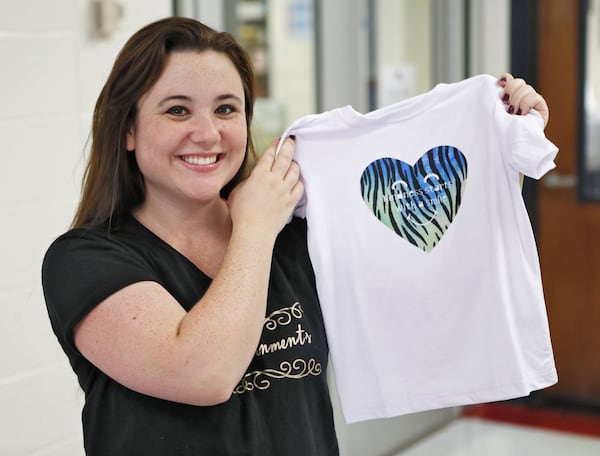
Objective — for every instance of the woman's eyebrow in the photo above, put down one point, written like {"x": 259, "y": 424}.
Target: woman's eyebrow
{"x": 174, "y": 98}
{"x": 225, "y": 96}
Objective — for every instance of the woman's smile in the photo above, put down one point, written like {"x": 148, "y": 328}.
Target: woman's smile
{"x": 199, "y": 160}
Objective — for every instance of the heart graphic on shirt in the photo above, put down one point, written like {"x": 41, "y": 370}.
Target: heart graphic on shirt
{"x": 417, "y": 202}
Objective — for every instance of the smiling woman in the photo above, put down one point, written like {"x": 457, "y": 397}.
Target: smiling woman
{"x": 179, "y": 249}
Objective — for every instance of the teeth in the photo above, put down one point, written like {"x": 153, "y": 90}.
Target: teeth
{"x": 195, "y": 160}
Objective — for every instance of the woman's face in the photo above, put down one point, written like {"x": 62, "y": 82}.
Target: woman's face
{"x": 190, "y": 132}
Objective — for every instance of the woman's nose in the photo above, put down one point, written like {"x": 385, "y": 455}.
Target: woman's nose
{"x": 205, "y": 130}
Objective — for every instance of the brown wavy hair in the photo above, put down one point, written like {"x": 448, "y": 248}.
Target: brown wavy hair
{"x": 113, "y": 185}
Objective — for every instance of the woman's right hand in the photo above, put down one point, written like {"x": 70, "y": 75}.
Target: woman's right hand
{"x": 271, "y": 192}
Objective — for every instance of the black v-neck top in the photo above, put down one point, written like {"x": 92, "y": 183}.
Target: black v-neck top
{"x": 280, "y": 407}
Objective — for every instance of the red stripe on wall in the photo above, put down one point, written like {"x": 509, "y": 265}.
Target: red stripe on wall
{"x": 541, "y": 417}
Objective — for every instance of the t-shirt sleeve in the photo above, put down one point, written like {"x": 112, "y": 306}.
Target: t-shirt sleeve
{"x": 79, "y": 271}
{"x": 530, "y": 152}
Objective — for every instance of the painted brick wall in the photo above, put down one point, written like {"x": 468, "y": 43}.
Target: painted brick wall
{"x": 50, "y": 75}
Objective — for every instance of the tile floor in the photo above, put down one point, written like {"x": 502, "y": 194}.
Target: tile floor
{"x": 514, "y": 429}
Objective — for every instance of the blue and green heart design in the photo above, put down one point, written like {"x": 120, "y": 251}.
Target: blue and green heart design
{"x": 418, "y": 202}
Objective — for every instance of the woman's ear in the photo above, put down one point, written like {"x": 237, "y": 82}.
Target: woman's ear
{"x": 130, "y": 140}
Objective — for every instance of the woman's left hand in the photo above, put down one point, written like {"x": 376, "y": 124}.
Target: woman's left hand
{"x": 521, "y": 97}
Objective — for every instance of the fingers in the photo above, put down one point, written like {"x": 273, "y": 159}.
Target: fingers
{"x": 280, "y": 165}
{"x": 504, "y": 78}
{"x": 269, "y": 195}
{"x": 284, "y": 156}
{"x": 268, "y": 157}
{"x": 285, "y": 166}
{"x": 514, "y": 91}
{"x": 520, "y": 97}
{"x": 274, "y": 160}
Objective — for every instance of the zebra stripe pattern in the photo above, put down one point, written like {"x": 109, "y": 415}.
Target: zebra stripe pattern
{"x": 417, "y": 202}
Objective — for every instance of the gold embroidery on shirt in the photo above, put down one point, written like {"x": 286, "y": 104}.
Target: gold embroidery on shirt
{"x": 261, "y": 380}
{"x": 283, "y": 316}
{"x": 301, "y": 337}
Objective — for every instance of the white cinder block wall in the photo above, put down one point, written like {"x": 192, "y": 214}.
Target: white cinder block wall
{"x": 51, "y": 73}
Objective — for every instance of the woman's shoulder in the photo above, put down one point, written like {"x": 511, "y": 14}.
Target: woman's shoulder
{"x": 82, "y": 244}
{"x": 103, "y": 235}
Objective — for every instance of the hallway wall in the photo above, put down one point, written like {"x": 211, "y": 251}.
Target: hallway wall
{"x": 51, "y": 74}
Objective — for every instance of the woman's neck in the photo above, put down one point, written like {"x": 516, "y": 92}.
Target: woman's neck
{"x": 201, "y": 234}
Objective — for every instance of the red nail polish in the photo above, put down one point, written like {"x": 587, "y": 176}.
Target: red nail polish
{"x": 511, "y": 109}
{"x": 519, "y": 112}
{"x": 505, "y": 98}
{"x": 503, "y": 79}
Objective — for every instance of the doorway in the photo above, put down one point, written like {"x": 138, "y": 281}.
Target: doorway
{"x": 567, "y": 227}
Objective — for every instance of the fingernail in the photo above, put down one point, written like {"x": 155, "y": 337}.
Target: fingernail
{"x": 511, "y": 109}
{"x": 519, "y": 112}
{"x": 505, "y": 98}
{"x": 503, "y": 79}
{"x": 293, "y": 137}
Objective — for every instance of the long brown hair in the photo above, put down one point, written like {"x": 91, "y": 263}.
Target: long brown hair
{"x": 112, "y": 184}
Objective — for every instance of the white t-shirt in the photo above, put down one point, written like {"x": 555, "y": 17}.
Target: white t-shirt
{"x": 424, "y": 256}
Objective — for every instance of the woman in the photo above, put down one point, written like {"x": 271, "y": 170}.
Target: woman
{"x": 184, "y": 300}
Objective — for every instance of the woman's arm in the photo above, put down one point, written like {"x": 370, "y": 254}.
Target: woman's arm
{"x": 141, "y": 336}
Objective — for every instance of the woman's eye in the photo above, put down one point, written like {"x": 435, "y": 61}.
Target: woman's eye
{"x": 225, "y": 109}
{"x": 177, "y": 111}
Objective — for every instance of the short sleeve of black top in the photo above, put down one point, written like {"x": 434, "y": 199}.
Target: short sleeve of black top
{"x": 280, "y": 407}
